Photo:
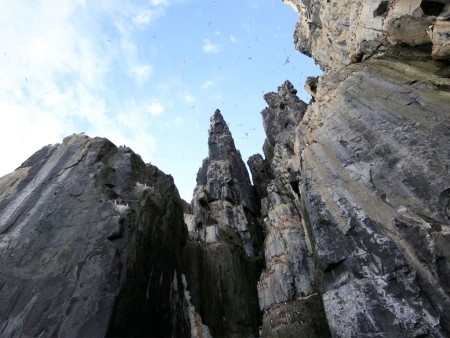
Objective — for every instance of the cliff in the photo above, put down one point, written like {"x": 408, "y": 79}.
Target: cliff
{"x": 337, "y": 33}
{"x": 90, "y": 242}
{"x": 372, "y": 155}
{"x": 343, "y": 231}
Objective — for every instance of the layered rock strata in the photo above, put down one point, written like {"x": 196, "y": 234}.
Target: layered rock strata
{"x": 375, "y": 181}
{"x": 222, "y": 255}
{"x": 90, "y": 245}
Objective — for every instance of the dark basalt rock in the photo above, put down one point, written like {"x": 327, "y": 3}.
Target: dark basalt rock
{"x": 90, "y": 242}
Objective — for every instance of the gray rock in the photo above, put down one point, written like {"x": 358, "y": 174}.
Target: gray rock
{"x": 90, "y": 245}
{"x": 337, "y": 33}
{"x": 374, "y": 164}
{"x": 261, "y": 174}
{"x": 222, "y": 259}
{"x": 287, "y": 281}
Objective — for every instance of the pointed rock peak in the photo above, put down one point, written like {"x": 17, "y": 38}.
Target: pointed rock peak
{"x": 220, "y": 141}
{"x": 218, "y": 124}
{"x": 286, "y": 87}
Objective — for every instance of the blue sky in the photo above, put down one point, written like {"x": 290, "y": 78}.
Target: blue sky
{"x": 144, "y": 73}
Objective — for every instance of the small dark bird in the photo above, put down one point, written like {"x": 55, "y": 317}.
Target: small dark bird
{"x": 287, "y": 61}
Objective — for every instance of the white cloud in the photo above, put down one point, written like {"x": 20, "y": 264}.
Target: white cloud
{"x": 55, "y": 64}
{"x": 146, "y": 16}
{"x": 141, "y": 73}
{"x": 233, "y": 39}
{"x": 210, "y": 48}
{"x": 188, "y": 98}
{"x": 163, "y": 2}
{"x": 208, "y": 84}
{"x": 159, "y": 2}
{"x": 155, "y": 108}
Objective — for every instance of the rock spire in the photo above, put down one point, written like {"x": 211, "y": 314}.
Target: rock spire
{"x": 223, "y": 253}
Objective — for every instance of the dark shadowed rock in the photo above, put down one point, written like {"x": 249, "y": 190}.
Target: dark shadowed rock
{"x": 261, "y": 174}
{"x": 90, "y": 242}
{"x": 281, "y": 117}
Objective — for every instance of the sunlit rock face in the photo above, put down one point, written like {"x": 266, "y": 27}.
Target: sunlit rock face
{"x": 375, "y": 184}
{"x": 90, "y": 245}
{"x": 337, "y": 33}
{"x": 372, "y": 160}
{"x": 223, "y": 255}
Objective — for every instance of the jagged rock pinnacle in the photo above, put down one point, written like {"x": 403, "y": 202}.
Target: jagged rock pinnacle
{"x": 220, "y": 141}
{"x": 224, "y": 224}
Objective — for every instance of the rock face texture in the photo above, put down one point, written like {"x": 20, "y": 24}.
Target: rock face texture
{"x": 223, "y": 255}
{"x": 345, "y": 231}
{"x": 375, "y": 181}
{"x": 372, "y": 160}
{"x": 288, "y": 295}
{"x": 337, "y": 33}
{"x": 90, "y": 245}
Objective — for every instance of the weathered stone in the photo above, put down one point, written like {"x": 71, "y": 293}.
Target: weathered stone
{"x": 439, "y": 34}
{"x": 311, "y": 85}
{"x": 302, "y": 317}
{"x": 337, "y": 33}
{"x": 409, "y": 30}
{"x": 261, "y": 174}
{"x": 222, "y": 259}
{"x": 375, "y": 160}
{"x": 282, "y": 116}
{"x": 90, "y": 242}
{"x": 288, "y": 276}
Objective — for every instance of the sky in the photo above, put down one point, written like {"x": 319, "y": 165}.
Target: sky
{"x": 147, "y": 74}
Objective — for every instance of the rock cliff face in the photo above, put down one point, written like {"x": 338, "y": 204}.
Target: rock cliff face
{"x": 90, "y": 245}
{"x": 288, "y": 295}
{"x": 336, "y": 33}
{"x": 222, "y": 256}
{"x": 345, "y": 231}
{"x": 375, "y": 179}
{"x": 371, "y": 153}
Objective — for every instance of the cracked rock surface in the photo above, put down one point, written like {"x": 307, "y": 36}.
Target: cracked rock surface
{"x": 222, "y": 258}
{"x": 90, "y": 245}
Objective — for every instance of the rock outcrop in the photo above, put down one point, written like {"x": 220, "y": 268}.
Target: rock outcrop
{"x": 345, "y": 231}
{"x": 375, "y": 180}
{"x": 288, "y": 295}
{"x": 90, "y": 245}
{"x": 372, "y": 160}
{"x": 223, "y": 255}
{"x": 337, "y": 33}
